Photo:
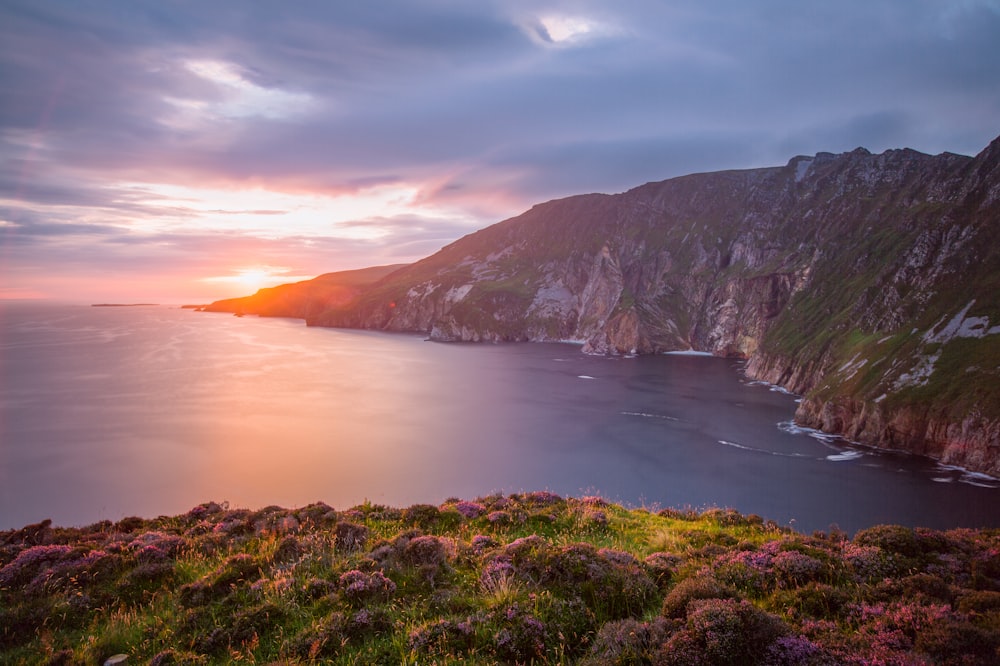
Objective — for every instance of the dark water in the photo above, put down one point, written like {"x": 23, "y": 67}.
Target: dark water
{"x": 109, "y": 412}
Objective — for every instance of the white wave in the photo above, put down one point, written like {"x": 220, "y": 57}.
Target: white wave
{"x": 793, "y": 428}
{"x": 978, "y": 484}
{"x": 963, "y": 475}
{"x": 845, "y": 455}
{"x": 942, "y": 479}
{"x": 687, "y": 352}
{"x": 744, "y": 447}
{"x": 652, "y": 416}
{"x": 772, "y": 387}
{"x": 737, "y": 445}
{"x": 584, "y": 376}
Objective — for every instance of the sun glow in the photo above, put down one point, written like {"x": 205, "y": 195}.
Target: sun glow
{"x": 276, "y": 214}
{"x": 247, "y": 280}
{"x": 253, "y": 278}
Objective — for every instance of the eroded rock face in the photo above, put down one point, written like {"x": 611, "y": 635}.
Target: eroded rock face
{"x": 837, "y": 276}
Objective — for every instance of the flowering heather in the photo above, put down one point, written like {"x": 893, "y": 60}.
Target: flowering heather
{"x": 497, "y": 576}
{"x": 618, "y": 557}
{"x": 426, "y": 550}
{"x": 481, "y": 543}
{"x": 543, "y": 498}
{"x": 498, "y": 517}
{"x": 869, "y": 563}
{"x": 350, "y": 536}
{"x": 29, "y": 563}
{"x": 470, "y": 510}
{"x": 359, "y": 585}
{"x": 794, "y": 568}
{"x": 442, "y": 637}
{"x": 455, "y": 584}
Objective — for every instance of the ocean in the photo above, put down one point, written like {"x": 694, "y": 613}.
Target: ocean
{"x": 107, "y": 412}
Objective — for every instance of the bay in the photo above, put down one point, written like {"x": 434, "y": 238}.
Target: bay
{"x": 111, "y": 412}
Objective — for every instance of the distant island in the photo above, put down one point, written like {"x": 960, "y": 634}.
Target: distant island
{"x": 869, "y": 284}
{"x": 510, "y": 579}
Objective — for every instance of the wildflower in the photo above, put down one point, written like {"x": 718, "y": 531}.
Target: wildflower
{"x": 482, "y": 543}
{"x": 358, "y": 585}
{"x": 470, "y": 510}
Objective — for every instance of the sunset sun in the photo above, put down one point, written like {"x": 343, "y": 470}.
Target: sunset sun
{"x": 252, "y": 279}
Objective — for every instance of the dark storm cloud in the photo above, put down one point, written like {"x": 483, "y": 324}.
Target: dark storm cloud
{"x": 485, "y": 107}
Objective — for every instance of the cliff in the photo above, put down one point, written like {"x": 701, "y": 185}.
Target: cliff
{"x": 868, "y": 283}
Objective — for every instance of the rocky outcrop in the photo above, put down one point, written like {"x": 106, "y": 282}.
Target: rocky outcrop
{"x": 868, "y": 283}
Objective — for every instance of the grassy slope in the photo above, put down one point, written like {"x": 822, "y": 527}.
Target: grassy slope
{"x": 530, "y": 578}
{"x": 301, "y": 299}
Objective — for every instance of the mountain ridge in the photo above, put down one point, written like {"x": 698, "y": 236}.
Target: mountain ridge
{"x": 868, "y": 283}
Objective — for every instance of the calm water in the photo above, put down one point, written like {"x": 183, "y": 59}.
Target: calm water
{"x": 109, "y": 412}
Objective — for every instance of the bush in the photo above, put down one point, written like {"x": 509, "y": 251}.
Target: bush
{"x": 891, "y": 539}
{"x": 350, "y": 537}
{"x": 629, "y": 642}
{"x": 815, "y": 600}
{"x": 956, "y": 642}
{"x": 611, "y": 586}
{"x": 979, "y": 601}
{"x": 692, "y": 589}
{"x": 445, "y": 636}
{"x": 423, "y": 516}
{"x": 361, "y": 586}
{"x": 723, "y": 632}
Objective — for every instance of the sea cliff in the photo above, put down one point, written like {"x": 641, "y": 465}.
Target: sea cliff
{"x": 868, "y": 283}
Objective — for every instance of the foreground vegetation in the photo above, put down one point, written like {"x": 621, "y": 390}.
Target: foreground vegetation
{"x": 530, "y": 578}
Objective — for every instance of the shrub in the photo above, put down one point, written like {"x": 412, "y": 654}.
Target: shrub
{"x": 521, "y": 637}
{"x": 288, "y": 550}
{"x": 661, "y": 566}
{"x": 30, "y": 562}
{"x": 928, "y": 587}
{"x": 482, "y": 543}
{"x": 629, "y": 642}
{"x": 424, "y": 550}
{"x": 615, "y": 586}
{"x": 957, "y": 642}
{"x": 979, "y": 601}
{"x": 361, "y": 586}
{"x": 470, "y": 510}
{"x": 815, "y": 600}
{"x": 325, "y": 640}
{"x": 445, "y": 636}
{"x": 795, "y": 651}
{"x": 891, "y": 539}
{"x": 350, "y": 537}
{"x": 692, "y": 589}
{"x": 794, "y": 568}
{"x": 424, "y": 516}
{"x": 723, "y": 632}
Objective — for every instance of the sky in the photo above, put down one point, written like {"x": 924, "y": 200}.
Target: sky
{"x": 181, "y": 152}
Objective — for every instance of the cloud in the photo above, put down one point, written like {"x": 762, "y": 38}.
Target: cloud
{"x": 134, "y": 124}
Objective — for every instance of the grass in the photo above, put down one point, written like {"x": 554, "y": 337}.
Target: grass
{"x": 524, "y": 578}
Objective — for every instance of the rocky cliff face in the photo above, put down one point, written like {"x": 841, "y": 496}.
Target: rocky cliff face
{"x": 868, "y": 283}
